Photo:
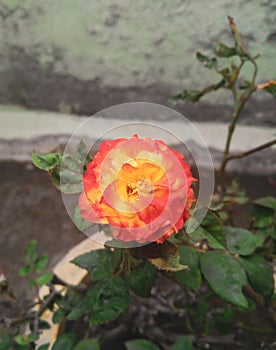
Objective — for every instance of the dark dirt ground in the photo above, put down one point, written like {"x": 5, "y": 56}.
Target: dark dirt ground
{"x": 31, "y": 208}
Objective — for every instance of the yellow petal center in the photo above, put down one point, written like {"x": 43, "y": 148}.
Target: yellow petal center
{"x": 137, "y": 178}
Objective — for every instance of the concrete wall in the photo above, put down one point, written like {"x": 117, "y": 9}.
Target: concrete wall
{"x": 83, "y": 55}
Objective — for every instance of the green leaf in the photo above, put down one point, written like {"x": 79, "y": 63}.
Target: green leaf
{"x": 41, "y": 263}
{"x": 25, "y": 270}
{"x": 167, "y": 258}
{"x": 21, "y": 347}
{"x": 5, "y": 342}
{"x": 192, "y": 278}
{"x": 47, "y": 161}
{"x": 188, "y": 96}
{"x": 58, "y": 316}
{"x": 45, "y": 278}
{"x": 212, "y": 230}
{"x": 81, "y": 152}
{"x": 99, "y": 263}
{"x": 260, "y": 274}
{"x": 268, "y": 202}
{"x": 270, "y": 87}
{"x": 70, "y": 175}
{"x": 44, "y": 346}
{"x": 182, "y": 343}
{"x": 210, "y": 63}
{"x": 77, "y": 311}
{"x": 195, "y": 95}
{"x": 70, "y": 182}
{"x": 225, "y": 276}
{"x": 222, "y": 50}
{"x": 107, "y": 300}
{"x": 241, "y": 241}
{"x": 264, "y": 219}
{"x": 65, "y": 342}
{"x": 31, "y": 252}
{"x": 225, "y": 72}
{"x": 25, "y": 339}
{"x": 141, "y": 344}
{"x": 142, "y": 279}
{"x": 70, "y": 164}
{"x": 55, "y": 177}
{"x": 87, "y": 344}
{"x": 79, "y": 221}
{"x": 43, "y": 324}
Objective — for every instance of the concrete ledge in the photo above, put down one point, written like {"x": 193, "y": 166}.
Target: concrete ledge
{"x": 24, "y": 131}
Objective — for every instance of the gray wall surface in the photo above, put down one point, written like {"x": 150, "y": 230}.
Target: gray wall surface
{"x": 82, "y": 56}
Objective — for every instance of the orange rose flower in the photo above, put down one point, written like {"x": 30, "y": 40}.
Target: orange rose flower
{"x": 140, "y": 187}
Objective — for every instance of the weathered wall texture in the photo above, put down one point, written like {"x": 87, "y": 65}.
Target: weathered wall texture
{"x": 81, "y": 56}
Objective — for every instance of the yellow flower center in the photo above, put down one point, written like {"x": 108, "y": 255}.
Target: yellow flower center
{"x": 139, "y": 187}
{"x": 137, "y": 179}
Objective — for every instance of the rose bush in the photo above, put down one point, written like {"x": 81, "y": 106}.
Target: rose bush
{"x": 140, "y": 187}
{"x": 214, "y": 288}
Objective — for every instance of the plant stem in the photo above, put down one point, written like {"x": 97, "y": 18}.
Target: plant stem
{"x": 239, "y": 104}
{"x": 252, "y": 150}
{"x": 239, "y": 100}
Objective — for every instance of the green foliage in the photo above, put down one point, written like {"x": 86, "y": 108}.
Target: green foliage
{"x": 65, "y": 170}
{"x": 210, "y": 63}
{"x": 5, "y": 342}
{"x": 107, "y": 300}
{"x": 44, "y": 346}
{"x": 182, "y": 343}
{"x": 270, "y": 87}
{"x": 46, "y": 162}
{"x": 222, "y": 50}
{"x": 35, "y": 264}
{"x": 212, "y": 230}
{"x": 168, "y": 258}
{"x": 45, "y": 278}
{"x": 25, "y": 339}
{"x": 66, "y": 341}
{"x": 142, "y": 279}
{"x": 241, "y": 241}
{"x": 58, "y": 316}
{"x": 79, "y": 221}
{"x": 99, "y": 263}
{"x": 40, "y": 263}
{"x": 264, "y": 217}
{"x": 267, "y": 202}
{"x": 87, "y": 344}
{"x": 77, "y": 311}
{"x": 31, "y": 252}
{"x": 141, "y": 344}
{"x": 260, "y": 274}
{"x": 81, "y": 153}
{"x": 225, "y": 276}
{"x": 189, "y": 278}
{"x": 25, "y": 270}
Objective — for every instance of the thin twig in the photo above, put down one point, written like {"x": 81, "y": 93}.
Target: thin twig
{"x": 252, "y": 150}
{"x": 48, "y": 300}
{"x": 33, "y": 315}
